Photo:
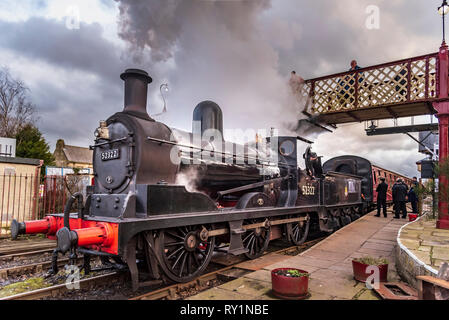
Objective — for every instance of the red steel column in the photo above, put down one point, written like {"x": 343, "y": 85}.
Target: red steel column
{"x": 443, "y": 121}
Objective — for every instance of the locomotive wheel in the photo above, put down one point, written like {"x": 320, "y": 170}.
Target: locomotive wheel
{"x": 355, "y": 214}
{"x": 344, "y": 219}
{"x": 296, "y": 232}
{"x": 184, "y": 256}
{"x": 256, "y": 240}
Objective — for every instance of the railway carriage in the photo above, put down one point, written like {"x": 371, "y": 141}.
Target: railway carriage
{"x": 140, "y": 216}
{"x": 370, "y": 175}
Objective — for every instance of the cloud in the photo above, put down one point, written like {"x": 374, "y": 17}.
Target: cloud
{"x": 237, "y": 53}
{"x": 73, "y": 75}
{"x": 51, "y": 41}
{"x": 219, "y": 52}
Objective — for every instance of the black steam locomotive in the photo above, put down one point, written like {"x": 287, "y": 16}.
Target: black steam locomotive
{"x": 237, "y": 197}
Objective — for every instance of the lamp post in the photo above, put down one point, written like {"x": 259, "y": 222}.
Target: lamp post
{"x": 443, "y": 10}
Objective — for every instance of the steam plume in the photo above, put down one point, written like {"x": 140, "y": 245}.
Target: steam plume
{"x": 214, "y": 50}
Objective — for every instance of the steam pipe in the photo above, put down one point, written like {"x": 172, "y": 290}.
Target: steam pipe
{"x": 68, "y": 206}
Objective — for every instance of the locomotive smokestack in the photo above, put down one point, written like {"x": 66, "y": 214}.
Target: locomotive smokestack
{"x": 136, "y": 88}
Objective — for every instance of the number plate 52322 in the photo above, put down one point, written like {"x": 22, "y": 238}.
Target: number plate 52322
{"x": 110, "y": 154}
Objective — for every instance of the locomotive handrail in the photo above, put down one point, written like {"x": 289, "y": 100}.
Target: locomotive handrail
{"x": 107, "y": 142}
{"x": 334, "y": 173}
{"x": 212, "y": 151}
{"x": 253, "y": 185}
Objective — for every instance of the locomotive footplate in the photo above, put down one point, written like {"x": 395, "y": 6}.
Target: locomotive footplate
{"x": 129, "y": 227}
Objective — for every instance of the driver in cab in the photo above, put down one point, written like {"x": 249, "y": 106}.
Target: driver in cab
{"x": 314, "y": 169}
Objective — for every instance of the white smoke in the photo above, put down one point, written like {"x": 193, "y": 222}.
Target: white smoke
{"x": 215, "y": 50}
{"x": 189, "y": 179}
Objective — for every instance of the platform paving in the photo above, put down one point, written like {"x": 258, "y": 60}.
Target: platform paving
{"x": 329, "y": 263}
{"x": 427, "y": 243}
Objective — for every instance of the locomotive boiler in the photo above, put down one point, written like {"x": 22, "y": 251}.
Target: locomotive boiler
{"x": 238, "y": 198}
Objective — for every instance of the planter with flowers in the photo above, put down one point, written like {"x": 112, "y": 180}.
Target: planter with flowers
{"x": 290, "y": 283}
{"x": 360, "y": 265}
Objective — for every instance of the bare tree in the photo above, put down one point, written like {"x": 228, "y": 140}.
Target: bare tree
{"x": 15, "y": 109}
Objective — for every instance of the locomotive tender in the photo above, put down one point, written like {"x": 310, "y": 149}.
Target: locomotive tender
{"x": 137, "y": 215}
{"x": 370, "y": 174}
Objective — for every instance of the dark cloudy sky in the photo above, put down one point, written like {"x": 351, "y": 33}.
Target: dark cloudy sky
{"x": 237, "y": 53}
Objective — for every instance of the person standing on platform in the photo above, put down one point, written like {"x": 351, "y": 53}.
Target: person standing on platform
{"x": 413, "y": 199}
{"x": 382, "y": 197}
{"x": 400, "y": 197}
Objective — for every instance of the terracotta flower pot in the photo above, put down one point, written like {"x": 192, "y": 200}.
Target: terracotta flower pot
{"x": 412, "y": 216}
{"x": 360, "y": 273}
{"x": 291, "y": 288}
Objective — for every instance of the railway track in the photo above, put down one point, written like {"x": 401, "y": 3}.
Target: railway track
{"x": 62, "y": 288}
{"x": 31, "y": 268}
{"x": 172, "y": 291}
{"x": 166, "y": 292}
{"x": 9, "y": 257}
{"x": 25, "y": 247}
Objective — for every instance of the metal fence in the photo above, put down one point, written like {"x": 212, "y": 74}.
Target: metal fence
{"x": 18, "y": 199}
{"x": 27, "y": 197}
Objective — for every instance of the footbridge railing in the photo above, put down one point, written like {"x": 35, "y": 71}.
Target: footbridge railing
{"x": 390, "y": 90}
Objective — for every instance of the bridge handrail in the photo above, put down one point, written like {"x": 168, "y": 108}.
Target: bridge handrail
{"x": 415, "y": 80}
{"x": 377, "y": 66}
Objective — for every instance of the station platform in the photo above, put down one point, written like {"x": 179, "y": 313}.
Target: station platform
{"x": 329, "y": 263}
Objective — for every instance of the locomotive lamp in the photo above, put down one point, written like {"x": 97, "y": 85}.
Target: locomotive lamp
{"x": 443, "y": 10}
{"x": 102, "y": 131}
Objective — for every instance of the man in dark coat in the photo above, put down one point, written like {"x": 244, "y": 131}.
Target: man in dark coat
{"x": 382, "y": 197}
{"x": 400, "y": 197}
{"x": 413, "y": 199}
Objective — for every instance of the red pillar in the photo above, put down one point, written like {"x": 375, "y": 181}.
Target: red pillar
{"x": 443, "y": 121}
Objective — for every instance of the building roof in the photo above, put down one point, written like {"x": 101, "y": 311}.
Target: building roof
{"x": 78, "y": 154}
{"x": 34, "y": 162}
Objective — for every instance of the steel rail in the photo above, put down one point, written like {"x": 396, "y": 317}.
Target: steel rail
{"x": 62, "y": 288}
{"x": 23, "y": 254}
{"x": 32, "y": 267}
{"x": 171, "y": 290}
{"x": 25, "y": 249}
